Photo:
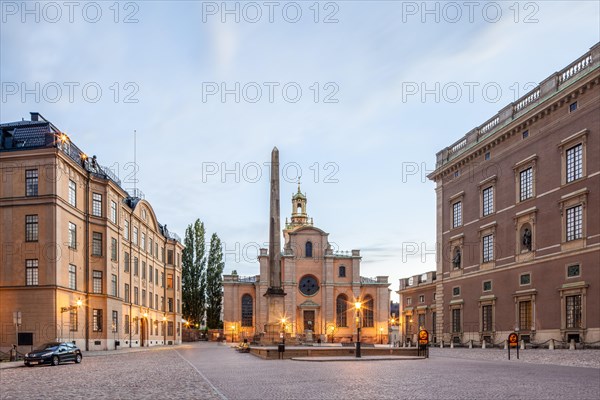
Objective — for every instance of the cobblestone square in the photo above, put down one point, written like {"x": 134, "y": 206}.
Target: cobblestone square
{"x": 212, "y": 371}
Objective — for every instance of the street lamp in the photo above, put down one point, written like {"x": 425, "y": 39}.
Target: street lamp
{"x": 64, "y": 310}
{"x": 357, "y": 305}
{"x": 232, "y": 332}
{"x": 283, "y": 321}
{"x": 380, "y": 335}
{"x": 164, "y": 330}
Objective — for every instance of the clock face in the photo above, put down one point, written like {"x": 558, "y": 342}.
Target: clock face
{"x": 308, "y": 285}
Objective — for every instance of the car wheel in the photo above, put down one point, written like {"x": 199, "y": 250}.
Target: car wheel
{"x": 28, "y": 364}
{"x": 55, "y": 361}
{"x": 78, "y": 358}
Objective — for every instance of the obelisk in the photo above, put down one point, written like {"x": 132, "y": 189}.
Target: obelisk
{"x": 274, "y": 230}
{"x": 274, "y": 294}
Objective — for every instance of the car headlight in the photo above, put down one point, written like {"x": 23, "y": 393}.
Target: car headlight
{"x": 26, "y": 354}
{"x": 47, "y": 354}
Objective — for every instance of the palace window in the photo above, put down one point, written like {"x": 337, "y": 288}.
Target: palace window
{"x": 72, "y": 193}
{"x": 525, "y": 134}
{"x": 525, "y": 315}
{"x": 486, "y": 318}
{"x": 170, "y": 257}
{"x": 135, "y": 235}
{"x": 115, "y": 321}
{"x": 573, "y": 106}
{"x": 487, "y": 286}
{"x": 31, "y": 228}
{"x": 143, "y": 269}
{"x": 526, "y": 184}
{"x": 143, "y": 245}
{"x": 456, "y": 214}
{"x": 31, "y": 272}
{"x": 170, "y": 304}
{"x": 368, "y": 321}
{"x": 72, "y": 277}
{"x": 114, "y": 286}
{"x": 421, "y": 319}
{"x": 143, "y": 297}
{"x": 488, "y": 248}
{"x": 341, "y": 310}
{"x": 308, "y": 249}
{"x": 97, "y": 281}
{"x": 150, "y": 273}
{"x": 488, "y": 200}
{"x": 573, "y": 311}
{"x": 136, "y": 266}
{"x": 524, "y": 279}
{"x": 342, "y": 271}
{"x": 456, "y": 326}
{"x": 136, "y": 295}
{"x": 96, "y": 204}
{"x": 574, "y": 162}
{"x": 422, "y": 298}
{"x": 573, "y": 271}
{"x": 126, "y": 293}
{"x": 456, "y": 291}
{"x": 126, "y": 230}
{"x": 169, "y": 281}
{"x": 574, "y": 222}
{"x": 96, "y": 244}
{"x": 126, "y": 324}
{"x": 31, "y": 182}
{"x": 97, "y": 320}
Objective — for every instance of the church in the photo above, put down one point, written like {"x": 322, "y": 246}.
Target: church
{"x": 305, "y": 291}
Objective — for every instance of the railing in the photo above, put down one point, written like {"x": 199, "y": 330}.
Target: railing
{"x": 528, "y": 99}
{"x": 574, "y": 68}
{"x": 135, "y": 193}
{"x": 250, "y": 279}
{"x": 174, "y": 236}
{"x": 364, "y": 279}
{"x": 547, "y": 87}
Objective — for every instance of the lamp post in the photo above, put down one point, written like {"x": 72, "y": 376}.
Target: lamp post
{"x": 358, "y": 305}
{"x": 164, "y": 330}
{"x": 380, "y": 335}
{"x": 232, "y": 332}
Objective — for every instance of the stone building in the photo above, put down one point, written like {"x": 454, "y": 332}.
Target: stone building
{"x": 518, "y": 221}
{"x": 82, "y": 259}
{"x": 320, "y": 288}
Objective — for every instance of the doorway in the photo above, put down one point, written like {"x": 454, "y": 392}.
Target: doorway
{"x": 309, "y": 320}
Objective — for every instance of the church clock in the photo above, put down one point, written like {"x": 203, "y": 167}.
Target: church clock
{"x": 308, "y": 285}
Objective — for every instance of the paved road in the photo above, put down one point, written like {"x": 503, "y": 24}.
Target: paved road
{"x": 211, "y": 371}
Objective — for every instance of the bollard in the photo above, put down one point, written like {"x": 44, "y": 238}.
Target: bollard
{"x": 471, "y": 343}
{"x": 551, "y": 346}
{"x": 452, "y": 344}
{"x": 441, "y": 344}
{"x": 572, "y": 344}
{"x": 522, "y": 344}
{"x": 483, "y": 344}
{"x": 505, "y": 344}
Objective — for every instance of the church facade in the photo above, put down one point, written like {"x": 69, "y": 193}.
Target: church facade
{"x": 320, "y": 286}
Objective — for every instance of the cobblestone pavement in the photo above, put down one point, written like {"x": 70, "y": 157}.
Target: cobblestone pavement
{"x": 212, "y": 371}
{"x": 570, "y": 358}
{"x": 243, "y": 376}
{"x": 147, "y": 374}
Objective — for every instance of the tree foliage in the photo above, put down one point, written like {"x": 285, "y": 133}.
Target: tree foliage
{"x": 194, "y": 273}
{"x": 214, "y": 283}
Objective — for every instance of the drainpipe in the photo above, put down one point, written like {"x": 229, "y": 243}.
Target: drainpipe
{"x": 87, "y": 258}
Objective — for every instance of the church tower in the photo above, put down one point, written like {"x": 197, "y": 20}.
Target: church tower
{"x": 299, "y": 215}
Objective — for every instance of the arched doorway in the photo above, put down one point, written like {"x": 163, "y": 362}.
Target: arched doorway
{"x": 143, "y": 334}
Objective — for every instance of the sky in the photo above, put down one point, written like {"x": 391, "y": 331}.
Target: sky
{"x": 358, "y": 96}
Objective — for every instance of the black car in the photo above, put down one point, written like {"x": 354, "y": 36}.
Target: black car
{"x": 53, "y": 353}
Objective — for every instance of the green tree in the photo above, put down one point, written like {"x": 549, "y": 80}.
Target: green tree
{"x": 214, "y": 283}
{"x": 193, "y": 273}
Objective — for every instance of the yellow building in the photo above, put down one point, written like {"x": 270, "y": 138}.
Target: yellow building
{"x": 321, "y": 287}
{"x": 82, "y": 259}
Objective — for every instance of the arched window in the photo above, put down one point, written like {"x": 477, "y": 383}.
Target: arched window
{"x": 247, "y": 310}
{"x": 368, "y": 312}
{"x": 341, "y": 308}
{"x": 299, "y": 208}
{"x": 308, "y": 249}
{"x": 342, "y": 271}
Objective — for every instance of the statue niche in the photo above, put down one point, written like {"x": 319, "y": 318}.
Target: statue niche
{"x": 525, "y": 238}
{"x": 456, "y": 258}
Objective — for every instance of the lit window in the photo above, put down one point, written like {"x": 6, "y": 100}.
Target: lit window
{"x": 97, "y": 320}
{"x": 368, "y": 320}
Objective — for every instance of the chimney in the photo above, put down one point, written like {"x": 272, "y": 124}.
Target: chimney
{"x": 35, "y": 116}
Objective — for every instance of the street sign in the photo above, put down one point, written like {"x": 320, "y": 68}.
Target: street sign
{"x": 513, "y": 339}
{"x": 423, "y": 337}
